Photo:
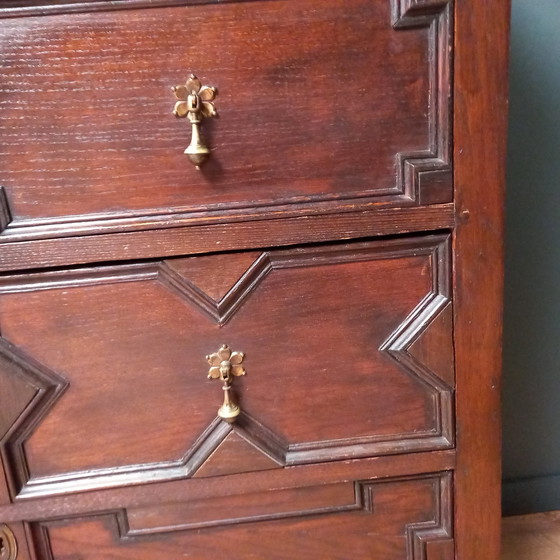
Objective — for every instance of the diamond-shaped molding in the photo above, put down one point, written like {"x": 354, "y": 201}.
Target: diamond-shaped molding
{"x": 5, "y": 214}
{"x": 217, "y": 285}
{"x": 262, "y": 444}
{"x": 408, "y": 345}
{"x": 430, "y": 319}
{"x": 36, "y": 391}
{"x": 244, "y": 446}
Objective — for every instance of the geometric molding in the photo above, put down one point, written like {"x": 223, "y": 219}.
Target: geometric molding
{"x": 253, "y": 437}
{"x": 433, "y": 346}
{"x": 43, "y": 8}
{"x": 432, "y": 167}
{"x": 253, "y": 445}
{"x": 404, "y": 345}
{"x": 245, "y": 446}
{"x": 234, "y": 455}
{"x": 217, "y": 285}
{"x": 431, "y": 539}
{"x": 422, "y": 176}
{"x": 5, "y": 214}
{"x": 43, "y": 389}
{"x": 214, "y": 275}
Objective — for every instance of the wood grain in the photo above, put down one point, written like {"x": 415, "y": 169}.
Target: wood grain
{"x": 396, "y": 405}
{"x": 407, "y": 515}
{"x": 95, "y": 501}
{"x": 481, "y": 42}
{"x": 94, "y": 248}
{"x": 102, "y": 113}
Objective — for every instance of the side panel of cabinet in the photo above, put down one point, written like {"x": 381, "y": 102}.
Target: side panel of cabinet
{"x": 480, "y": 156}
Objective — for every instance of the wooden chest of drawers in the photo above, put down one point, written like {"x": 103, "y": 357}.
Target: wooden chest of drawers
{"x": 288, "y": 350}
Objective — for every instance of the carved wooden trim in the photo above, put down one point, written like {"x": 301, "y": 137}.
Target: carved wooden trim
{"x": 415, "y": 171}
{"x": 398, "y": 343}
{"x": 5, "y": 214}
{"x": 224, "y": 309}
{"x": 235, "y": 236}
{"x": 421, "y": 536}
{"x": 418, "y": 169}
{"x": 440, "y": 529}
{"x": 50, "y": 387}
{"x": 25, "y": 8}
{"x": 416, "y": 13}
{"x": 438, "y": 436}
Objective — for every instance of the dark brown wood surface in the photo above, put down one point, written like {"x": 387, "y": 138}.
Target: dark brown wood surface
{"x": 390, "y": 520}
{"x": 321, "y": 384}
{"x": 322, "y": 240}
{"x": 480, "y": 140}
{"x": 176, "y": 240}
{"x": 100, "y": 139}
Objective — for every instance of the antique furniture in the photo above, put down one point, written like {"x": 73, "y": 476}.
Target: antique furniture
{"x": 288, "y": 350}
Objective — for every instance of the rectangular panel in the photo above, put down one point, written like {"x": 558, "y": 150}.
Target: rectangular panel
{"x": 407, "y": 519}
{"x": 348, "y": 352}
{"x": 319, "y": 101}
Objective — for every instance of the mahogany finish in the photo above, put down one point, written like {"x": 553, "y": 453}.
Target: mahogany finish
{"x": 178, "y": 311}
{"x": 482, "y": 33}
{"x": 397, "y": 519}
{"x": 331, "y": 237}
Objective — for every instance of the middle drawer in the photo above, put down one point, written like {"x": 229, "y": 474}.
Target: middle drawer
{"x": 348, "y": 352}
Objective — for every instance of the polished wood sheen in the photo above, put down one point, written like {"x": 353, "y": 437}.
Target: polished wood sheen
{"x": 345, "y": 235}
{"x": 402, "y": 519}
{"x": 480, "y": 148}
{"x": 249, "y": 307}
{"x": 311, "y": 74}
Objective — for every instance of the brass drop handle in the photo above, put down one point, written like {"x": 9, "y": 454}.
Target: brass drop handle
{"x": 226, "y": 365}
{"x": 195, "y": 102}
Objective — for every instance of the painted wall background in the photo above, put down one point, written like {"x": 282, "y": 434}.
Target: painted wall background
{"x": 531, "y": 394}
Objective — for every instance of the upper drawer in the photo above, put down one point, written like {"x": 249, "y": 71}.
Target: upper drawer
{"x": 320, "y": 102}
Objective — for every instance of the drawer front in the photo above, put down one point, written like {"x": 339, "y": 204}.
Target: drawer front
{"x": 347, "y": 350}
{"x": 320, "y": 102}
{"x": 402, "y": 519}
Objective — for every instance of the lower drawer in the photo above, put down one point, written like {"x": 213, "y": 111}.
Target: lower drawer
{"x": 395, "y": 519}
{"x": 347, "y": 348}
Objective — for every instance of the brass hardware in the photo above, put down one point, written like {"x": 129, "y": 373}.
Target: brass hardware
{"x": 225, "y": 366}
{"x": 195, "y": 102}
{"x": 8, "y": 544}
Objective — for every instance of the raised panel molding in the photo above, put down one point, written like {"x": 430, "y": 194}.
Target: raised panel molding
{"x": 46, "y": 388}
{"x": 415, "y": 13}
{"x": 422, "y": 177}
{"x": 238, "y": 275}
{"x": 429, "y": 539}
{"x": 422, "y": 174}
{"x": 253, "y": 437}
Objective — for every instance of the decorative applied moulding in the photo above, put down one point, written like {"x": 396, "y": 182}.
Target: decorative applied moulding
{"x": 424, "y": 540}
{"x": 272, "y": 445}
{"x": 413, "y": 170}
{"x": 23, "y": 8}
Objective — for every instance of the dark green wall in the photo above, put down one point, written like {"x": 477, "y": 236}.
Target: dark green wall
{"x": 532, "y": 291}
